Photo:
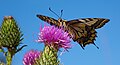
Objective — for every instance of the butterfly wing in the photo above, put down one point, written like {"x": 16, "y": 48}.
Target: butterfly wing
{"x": 83, "y": 30}
{"x": 49, "y": 20}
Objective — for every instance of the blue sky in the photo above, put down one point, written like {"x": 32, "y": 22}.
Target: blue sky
{"x": 24, "y": 12}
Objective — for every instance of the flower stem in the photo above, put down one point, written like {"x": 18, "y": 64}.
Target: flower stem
{"x": 9, "y": 58}
{"x": 9, "y": 55}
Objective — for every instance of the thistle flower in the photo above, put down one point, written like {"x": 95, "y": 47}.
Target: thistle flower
{"x": 53, "y": 36}
{"x": 30, "y": 57}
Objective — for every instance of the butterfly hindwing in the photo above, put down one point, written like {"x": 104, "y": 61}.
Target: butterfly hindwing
{"x": 80, "y": 31}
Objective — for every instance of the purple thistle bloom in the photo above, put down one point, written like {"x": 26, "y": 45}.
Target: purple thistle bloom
{"x": 30, "y": 57}
{"x": 53, "y": 36}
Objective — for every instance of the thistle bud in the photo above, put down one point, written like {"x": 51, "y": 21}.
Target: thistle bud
{"x": 10, "y": 34}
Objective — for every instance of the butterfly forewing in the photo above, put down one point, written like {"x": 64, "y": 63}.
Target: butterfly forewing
{"x": 49, "y": 20}
{"x": 94, "y": 22}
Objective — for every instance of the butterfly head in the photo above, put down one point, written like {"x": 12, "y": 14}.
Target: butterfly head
{"x": 62, "y": 23}
{"x": 60, "y": 20}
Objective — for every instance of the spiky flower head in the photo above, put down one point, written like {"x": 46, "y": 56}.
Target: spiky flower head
{"x": 54, "y": 37}
{"x": 30, "y": 57}
{"x": 10, "y": 38}
{"x": 10, "y": 35}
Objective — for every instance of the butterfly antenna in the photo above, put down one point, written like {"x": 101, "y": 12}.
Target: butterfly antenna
{"x": 53, "y": 12}
{"x": 61, "y": 13}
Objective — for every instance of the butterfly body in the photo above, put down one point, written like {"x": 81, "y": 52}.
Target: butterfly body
{"x": 81, "y": 30}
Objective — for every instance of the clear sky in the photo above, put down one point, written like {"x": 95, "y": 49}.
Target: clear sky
{"x": 108, "y": 40}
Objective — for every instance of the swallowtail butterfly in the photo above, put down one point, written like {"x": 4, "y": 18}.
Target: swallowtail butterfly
{"x": 81, "y": 30}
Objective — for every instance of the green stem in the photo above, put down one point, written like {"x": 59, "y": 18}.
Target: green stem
{"x": 9, "y": 56}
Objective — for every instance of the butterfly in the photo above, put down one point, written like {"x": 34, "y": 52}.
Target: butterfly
{"x": 81, "y": 30}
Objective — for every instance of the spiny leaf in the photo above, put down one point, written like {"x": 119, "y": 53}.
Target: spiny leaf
{"x": 20, "y": 48}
